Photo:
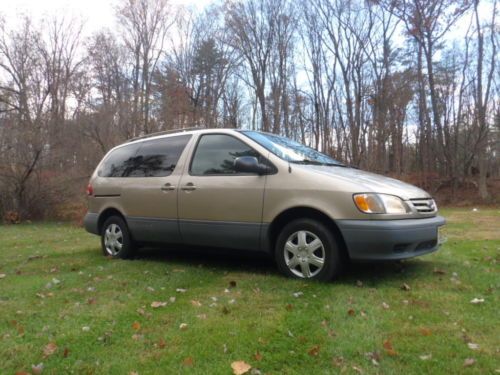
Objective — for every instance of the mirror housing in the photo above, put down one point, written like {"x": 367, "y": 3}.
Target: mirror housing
{"x": 249, "y": 164}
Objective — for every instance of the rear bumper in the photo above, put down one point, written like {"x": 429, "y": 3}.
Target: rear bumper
{"x": 390, "y": 239}
{"x": 90, "y": 222}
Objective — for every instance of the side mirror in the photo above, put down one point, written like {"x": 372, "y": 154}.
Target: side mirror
{"x": 249, "y": 164}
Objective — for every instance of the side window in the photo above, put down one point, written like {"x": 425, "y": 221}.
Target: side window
{"x": 159, "y": 157}
{"x": 117, "y": 163}
{"x": 156, "y": 158}
{"x": 215, "y": 154}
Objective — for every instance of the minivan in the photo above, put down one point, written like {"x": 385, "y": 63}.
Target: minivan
{"x": 250, "y": 190}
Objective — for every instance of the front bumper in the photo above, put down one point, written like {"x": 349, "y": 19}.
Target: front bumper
{"x": 390, "y": 239}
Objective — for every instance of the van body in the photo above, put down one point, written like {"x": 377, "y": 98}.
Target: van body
{"x": 251, "y": 190}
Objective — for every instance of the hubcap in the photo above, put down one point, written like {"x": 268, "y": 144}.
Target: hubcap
{"x": 113, "y": 239}
{"x": 304, "y": 254}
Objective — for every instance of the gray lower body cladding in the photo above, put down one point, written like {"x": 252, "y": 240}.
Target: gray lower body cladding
{"x": 390, "y": 239}
{"x": 365, "y": 239}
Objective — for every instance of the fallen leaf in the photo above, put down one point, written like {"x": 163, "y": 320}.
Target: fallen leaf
{"x": 473, "y": 346}
{"x": 183, "y": 326}
{"x": 389, "y": 349}
{"x": 351, "y": 312}
{"x": 136, "y": 326}
{"x": 257, "y": 356}
{"x": 476, "y": 301}
{"x": 359, "y": 283}
{"x": 181, "y": 290}
{"x": 232, "y": 284}
{"x": 425, "y": 357}
{"x": 162, "y": 344}
{"x": 85, "y": 328}
{"x": 133, "y": 373}
{"x": 425, "y": 331}
{"x": 314, "y": 351}
{"x": 188, "y": 361}
{"x": 202, "y": 316}
{"x": 37, "y": 369}
{"x": 437, "y": 271}
{"x": 137, "y": 337}
{"x": 374, "y": 357}
{"x": 405, "y": 287}
{"x": 2, "y": 276}
{"x": 240, "y": 367}
{"x": 357, "y": 369}
{"x": 338, "y": 361}
{"x": 289, "y": 307}
{"x": 157, "y": 304}
{"x": 66, "y": 353}
{"x": 469, "y": 362}
{"x": 91, "y": 301}
{"x": 298, "y": 294}
{"x": 385, "y": 305}
{"x": 196, "y": 303}
{"x": 49, "y": 349}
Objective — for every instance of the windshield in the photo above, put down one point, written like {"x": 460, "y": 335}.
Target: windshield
{"x": 289, "y": 150}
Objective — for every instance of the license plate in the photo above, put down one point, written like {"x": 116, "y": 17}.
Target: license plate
{"x": 441, "y": 235}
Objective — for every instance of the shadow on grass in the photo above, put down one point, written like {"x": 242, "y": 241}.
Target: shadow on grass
{"x": 227, "y": 260}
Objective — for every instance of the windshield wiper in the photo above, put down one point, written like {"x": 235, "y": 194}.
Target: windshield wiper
{"x": 315, "y": 162}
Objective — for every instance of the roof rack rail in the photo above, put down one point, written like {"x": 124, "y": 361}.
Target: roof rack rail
{"x": 171, "y": 131}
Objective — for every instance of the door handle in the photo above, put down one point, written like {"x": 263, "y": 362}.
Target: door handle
{"x": 168, "y": 187}
{"x": 188, "y": 187}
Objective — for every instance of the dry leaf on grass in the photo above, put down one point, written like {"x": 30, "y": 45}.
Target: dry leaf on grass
{"x": 37, "y": 369}
{"x": 136, "y": 326}
{"x": 257, "y": 356}
{"x": 476, "y": 301}
{"x": 157, "y": 304}
{"x": 314, "y": 351}
{"x": 425, "y": 357}
{"x": 469, "y": 362}
{"x": 183, "y": 326}
{"x": 49, "y": 349}
{"x": 425, "y": 331}
{"x": 351, "y": 312}
{"x": 196, "y": 303}
{"x": 188, "y": 361}
{"x": 240, "y": 367}
{"x": 389, "y": 349}
{"x": 405, "y": 287}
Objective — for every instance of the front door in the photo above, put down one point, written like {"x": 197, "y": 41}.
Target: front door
{"x": 217, "y": 206}
{"x": 150, "y": 191}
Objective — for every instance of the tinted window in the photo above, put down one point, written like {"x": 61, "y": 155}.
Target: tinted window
{"x": 215, "y": 154}
{"x": 116, "y": 163}
{"x": 156, "y": 158}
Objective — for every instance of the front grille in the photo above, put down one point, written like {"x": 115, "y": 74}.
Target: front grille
{"x": 424, "y": 205}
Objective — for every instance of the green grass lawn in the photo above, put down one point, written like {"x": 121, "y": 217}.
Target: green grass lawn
{"x": 65, "y": 305}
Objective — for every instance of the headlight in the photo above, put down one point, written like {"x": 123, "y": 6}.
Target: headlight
{"x": 371, "y": 203}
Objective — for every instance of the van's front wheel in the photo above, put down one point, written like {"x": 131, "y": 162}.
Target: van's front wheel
{"x": 115, "y": 238}
{"x": 306, "y": 249}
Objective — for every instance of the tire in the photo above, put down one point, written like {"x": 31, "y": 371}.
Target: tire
{"x": 116, "y": 241}
{"x": 307, "y": 249}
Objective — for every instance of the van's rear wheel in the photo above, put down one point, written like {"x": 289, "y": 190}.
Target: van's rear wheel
{"x": 307, "y": 249}
{"x": 115, "y": 238}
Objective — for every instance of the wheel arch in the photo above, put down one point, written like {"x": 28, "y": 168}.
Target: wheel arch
{"x": 107, "y": 213}
{"x": 300, "y": 212}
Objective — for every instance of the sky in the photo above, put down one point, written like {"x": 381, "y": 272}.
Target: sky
{"x": 97, "y": 14}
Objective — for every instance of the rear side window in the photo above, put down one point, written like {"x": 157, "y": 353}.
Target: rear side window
{"x": 215, "y": 154}
{"x": 118, "y": 162}
{"x": 156, "y": 158}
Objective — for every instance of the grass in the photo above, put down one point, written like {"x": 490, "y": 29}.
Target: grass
{"x": 92, "y": 315}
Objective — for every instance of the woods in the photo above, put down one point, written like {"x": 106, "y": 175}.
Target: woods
{"x": 386, "y": 86}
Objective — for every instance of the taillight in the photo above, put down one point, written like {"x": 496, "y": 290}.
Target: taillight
{"x": 90, "y": 190}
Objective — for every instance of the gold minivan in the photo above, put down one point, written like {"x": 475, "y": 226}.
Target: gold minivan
{"x": 243, "y": 189}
